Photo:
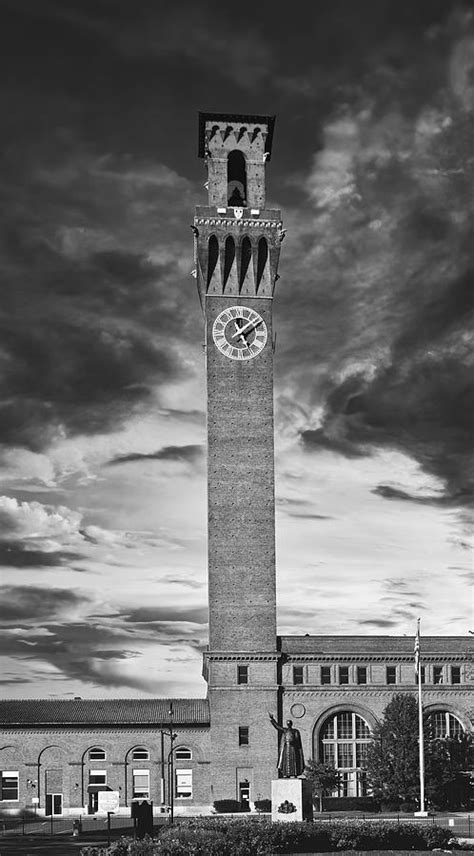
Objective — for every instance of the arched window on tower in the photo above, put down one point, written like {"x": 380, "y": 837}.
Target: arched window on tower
{"x": 344, "y": 739}
{"x": 245, "y": 259}
{"x": 236, "y": 179}
{"x": 213, "y": 257}
{"x": 229, "y": 256}
{"x": 261, "y": 259}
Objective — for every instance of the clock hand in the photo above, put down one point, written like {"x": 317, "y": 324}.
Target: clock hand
{"x": 246, "y": 326}
{"x": 238, "y": 333}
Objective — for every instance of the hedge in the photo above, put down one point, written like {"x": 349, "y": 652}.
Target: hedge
{"x": 258, "y": 837}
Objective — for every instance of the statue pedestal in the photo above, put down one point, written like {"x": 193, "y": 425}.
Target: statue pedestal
{"x": 291, "y": 800}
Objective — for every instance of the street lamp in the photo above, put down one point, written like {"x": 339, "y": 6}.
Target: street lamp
{"x": 170, "y": 760}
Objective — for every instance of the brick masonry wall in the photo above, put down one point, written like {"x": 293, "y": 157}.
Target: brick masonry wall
{"x": 36, "y": 753}
{"x": 241, "y": 498}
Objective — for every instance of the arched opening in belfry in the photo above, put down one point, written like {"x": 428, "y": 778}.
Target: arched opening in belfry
{"x": 245, "y": 258}
{"x": 262, "y": 257}
{"x": 229, "y": 256}
{"x": 213, "y": 257}
{"x": 236, "y": 179}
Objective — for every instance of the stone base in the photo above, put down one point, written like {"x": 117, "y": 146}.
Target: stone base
{"x": 291, "y": 800}
{"x": 421, "y": 814}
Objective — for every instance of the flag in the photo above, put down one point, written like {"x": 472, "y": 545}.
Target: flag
{"x": 417, "y": 648}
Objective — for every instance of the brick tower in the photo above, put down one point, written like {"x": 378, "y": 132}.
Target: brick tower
{"x": 237, "y": 245}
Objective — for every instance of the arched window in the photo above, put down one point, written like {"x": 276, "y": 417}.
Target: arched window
{"x": 261, "y": 259}
{"x": 245, "y": 258}
{"x": 442, "y": 724}
{"x": 229, "y": 256}
{"x": 140, "y": 754}
{"x": 213, "y": 257}
{"x": 343, "y": 741}
{"x": 182, "y": 753}
{"x": 97, "y": 754}
{"x": 236, "y": 179}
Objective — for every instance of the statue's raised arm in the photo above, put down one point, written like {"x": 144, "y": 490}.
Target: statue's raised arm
{"x": 275, "y": 723}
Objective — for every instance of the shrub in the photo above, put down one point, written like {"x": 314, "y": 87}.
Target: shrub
{"x": 258, "y": 837}
{"x": 350, "y": 804}
{"x": 263, "y": 805}
{"x": 230, "y": 806}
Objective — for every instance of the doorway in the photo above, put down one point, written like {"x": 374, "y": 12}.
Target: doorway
{"x": 54, "y": 804}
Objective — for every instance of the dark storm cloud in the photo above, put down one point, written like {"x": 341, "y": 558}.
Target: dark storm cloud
{"x": 182, "y": 454}
{"x": 148, "y": 615}
{"x": 318, "y": 439}
{"x": 24, "y": 603}
{"x": 389, "y": 492}
{"x": 378, "y": 622}
{"x": 17, "y": 554}
{"x": 80, "y": 357}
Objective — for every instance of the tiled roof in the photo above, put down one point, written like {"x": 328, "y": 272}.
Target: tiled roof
{"x": 133, "y": 711}
{"x": 375, "y": 645}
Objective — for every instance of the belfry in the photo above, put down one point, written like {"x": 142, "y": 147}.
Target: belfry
{"x": 237, "y": 252}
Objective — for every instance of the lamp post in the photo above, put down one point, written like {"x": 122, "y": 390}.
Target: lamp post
{"x": 170, "y": 760}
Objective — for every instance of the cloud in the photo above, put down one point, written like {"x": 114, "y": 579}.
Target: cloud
{"x": 91, "y": 323}
{"x": 382, "y": 623}
{"x": 26, "y": 603}
{"x": 15, "y": 554}
{"x": 182, "y": 454}
{"x": 196, "y": 615}
{"x": 389, "y": 492}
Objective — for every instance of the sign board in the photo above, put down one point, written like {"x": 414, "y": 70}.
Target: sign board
{"x": 108, "y": 801}
{"x": 35, "y": 800}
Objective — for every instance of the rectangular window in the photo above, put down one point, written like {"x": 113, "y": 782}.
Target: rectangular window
{"x": 328, "y": 753}
{"x": 345, "y": 755}
{"x": 391, "y": 675}
{"x": 141, "y": 784}
{"x": 325, "y": 674}
{"x": 98, "y": 777}
{"x": 344, "y": 725}
{"x": 361, "y": 754}
{"x": 437, "y": 674}
{"x": 184, "y": 784}
{"x": 297, "y": 674}
{"x": 455, "y": 674}
{"x": 242, "y": 674}
{"x": 343, "y": 674}
{"x": 361, "y": 674}
{"x": 422, "y": 675}
{"x": 9, "y": 785}
{"x": 243, "y": 735}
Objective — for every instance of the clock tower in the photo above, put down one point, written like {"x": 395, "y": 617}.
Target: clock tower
{"x": 237, "y": 246}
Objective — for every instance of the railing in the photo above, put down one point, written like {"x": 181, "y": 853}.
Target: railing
{"x": 462, "y": 825}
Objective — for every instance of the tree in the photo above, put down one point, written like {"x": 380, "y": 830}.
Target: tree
{"x": 393, "y": 770}
{"x": 393, "y": 759}
{"x": 447, "y": 765}
{"x": 323, "y": 777}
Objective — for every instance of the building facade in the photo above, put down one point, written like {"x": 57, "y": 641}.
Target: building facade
{"x": 58, "y": 756}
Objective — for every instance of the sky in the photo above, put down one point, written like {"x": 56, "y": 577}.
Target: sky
{"x": 103, "y": 581}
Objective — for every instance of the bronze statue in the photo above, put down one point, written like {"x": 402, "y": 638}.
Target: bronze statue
{"x": 291, "y": 759}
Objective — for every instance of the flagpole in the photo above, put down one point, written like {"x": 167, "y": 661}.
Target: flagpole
{"x": 421, "y": 812}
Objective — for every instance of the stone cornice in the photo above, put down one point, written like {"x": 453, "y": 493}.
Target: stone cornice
{"x": 238, "y": 656}
{"x": 227, "y": 222}
{"x": 365, "y": 657}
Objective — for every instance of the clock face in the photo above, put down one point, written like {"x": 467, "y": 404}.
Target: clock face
{"x": 240, "y": 333}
